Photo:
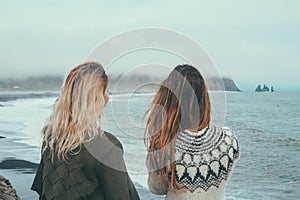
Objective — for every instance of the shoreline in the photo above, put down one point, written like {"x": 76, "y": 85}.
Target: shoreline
{"x": 14, "y": 95}
{"x": 17, "y": 156}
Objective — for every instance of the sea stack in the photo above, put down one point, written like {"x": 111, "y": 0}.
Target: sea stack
{"x": 264, "y": 89}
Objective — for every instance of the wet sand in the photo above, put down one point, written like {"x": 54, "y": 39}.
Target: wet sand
{"x": 18, "y": 163}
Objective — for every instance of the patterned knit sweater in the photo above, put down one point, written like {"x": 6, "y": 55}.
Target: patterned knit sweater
{"x": 204, "y": 163}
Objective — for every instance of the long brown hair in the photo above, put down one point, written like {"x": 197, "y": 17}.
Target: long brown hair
{"x": 76, "y": 114}
{"x": 181, "y": 102}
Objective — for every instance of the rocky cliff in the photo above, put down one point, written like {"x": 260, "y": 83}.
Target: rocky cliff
{"x": 227, "y": 84}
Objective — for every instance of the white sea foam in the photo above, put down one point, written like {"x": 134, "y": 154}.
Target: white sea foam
{"x": 25, "y": 118}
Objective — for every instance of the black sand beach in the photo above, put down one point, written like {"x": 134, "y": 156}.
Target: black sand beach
{"x": 18, "y": 166}
{"x": 16, "y": 159}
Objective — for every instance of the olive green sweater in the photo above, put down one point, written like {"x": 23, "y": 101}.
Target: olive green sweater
{"x": 97, "y": 172}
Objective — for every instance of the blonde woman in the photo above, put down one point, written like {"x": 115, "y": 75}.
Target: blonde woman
{"x": 79, "y": 160}
{"x": 188, "y": 157}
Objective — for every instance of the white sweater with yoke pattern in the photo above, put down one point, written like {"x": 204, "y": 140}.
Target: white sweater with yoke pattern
{"x": 204, "y": 161}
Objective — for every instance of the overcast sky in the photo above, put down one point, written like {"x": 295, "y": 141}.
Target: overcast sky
{"x": 253, "y": 42}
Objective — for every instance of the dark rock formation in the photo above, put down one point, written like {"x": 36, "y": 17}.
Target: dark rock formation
{"x": 7, "y": 192}
{"x": 258, "y": 88}
{"x": 17, "y": 164}
{"x": 264, "y": 89}
{"x": 229, "y": 85}
{"x": 224, "y": 84}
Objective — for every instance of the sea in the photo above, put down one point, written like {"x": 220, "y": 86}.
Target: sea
{"x": 266, "y": 124}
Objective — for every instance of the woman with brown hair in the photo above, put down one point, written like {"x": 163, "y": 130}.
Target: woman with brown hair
{"x": 188, "y": 158}
{"x": 79, "y": 160}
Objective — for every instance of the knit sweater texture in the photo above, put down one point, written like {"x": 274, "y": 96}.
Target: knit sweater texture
{"x": 204, "y": 161}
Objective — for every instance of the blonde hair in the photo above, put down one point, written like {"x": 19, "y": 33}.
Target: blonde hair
{"x": 76, "y": 114}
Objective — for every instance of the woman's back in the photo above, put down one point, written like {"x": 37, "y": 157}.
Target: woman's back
{"x": 79, "y": 160}
{"x": 184, "y": 164}
{"x": 97, "y": 171}
{"x": 204, "y": 162}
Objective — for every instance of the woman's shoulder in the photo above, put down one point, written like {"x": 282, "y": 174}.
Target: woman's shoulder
{"x": 112, "y": 139}
{"x": 208, "y": 157}
{"x": 207, "y": 140}
{"x": 228, "y": 131}
{"x": 222, "y": 131}
{"x": 104, "y": 139}
{"x": 229, "y": 142}
{"x": 227, "y": 136}
{"x": 103, "y": 145}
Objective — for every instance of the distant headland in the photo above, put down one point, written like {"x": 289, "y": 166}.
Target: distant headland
{"x": 264, "y": 89}
{"x": 125, "y": 84}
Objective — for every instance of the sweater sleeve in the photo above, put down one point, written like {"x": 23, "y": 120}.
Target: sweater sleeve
{"x": 156, "y": 185}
